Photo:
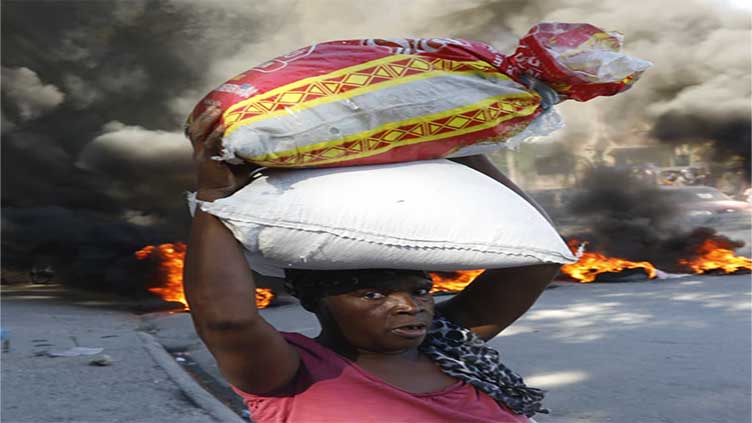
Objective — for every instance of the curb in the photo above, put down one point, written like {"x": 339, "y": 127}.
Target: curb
{"x": 185, "y": 382}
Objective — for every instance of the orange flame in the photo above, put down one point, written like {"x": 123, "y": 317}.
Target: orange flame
{"x": 264, "y": 297}
{"x": 171, "y": 258}
{"x": 453, "y": 281}
{"x": 590, "y": 265}
{"x": 712, "y": 256}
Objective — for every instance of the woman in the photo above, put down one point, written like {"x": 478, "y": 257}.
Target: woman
{"x": 386, "y": 352}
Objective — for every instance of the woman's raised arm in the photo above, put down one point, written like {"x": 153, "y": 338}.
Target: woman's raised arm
{"x": 498, "y": 297}
{"x": 219, "y": 285}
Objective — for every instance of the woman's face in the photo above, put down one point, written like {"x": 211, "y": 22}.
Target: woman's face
{"x": 391, "y": 317}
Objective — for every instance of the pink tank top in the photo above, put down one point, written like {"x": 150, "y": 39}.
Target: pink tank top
{"x": 329, "y": 388}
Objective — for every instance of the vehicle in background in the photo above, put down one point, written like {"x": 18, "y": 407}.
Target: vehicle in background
{"x": 682, "y": 176}
{"x": 707, "y": 206}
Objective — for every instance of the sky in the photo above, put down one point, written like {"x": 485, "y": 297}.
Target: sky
{"x": 94, "y": 96}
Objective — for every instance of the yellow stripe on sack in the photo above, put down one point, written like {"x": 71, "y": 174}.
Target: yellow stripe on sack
{"x": 479, "y": 64}
{"x": 481, "y": 105}
{"x": 504, "y": 111}
{"x": 309, "y": 80}
{"x": 266, "y": 109}
{"x": 354, "y": 92}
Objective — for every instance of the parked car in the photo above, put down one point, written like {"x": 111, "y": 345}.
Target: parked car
{"x": 706, "y": 206}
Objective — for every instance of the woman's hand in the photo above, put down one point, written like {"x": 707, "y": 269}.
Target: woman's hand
{"x": 215, "y": 179}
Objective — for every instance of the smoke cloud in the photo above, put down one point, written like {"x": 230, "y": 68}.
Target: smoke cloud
{"x": 94, "y": 95}
{"x": 29, "y": 96}
{"x": 632, "y": 219}
{"x": 700, "y": 50}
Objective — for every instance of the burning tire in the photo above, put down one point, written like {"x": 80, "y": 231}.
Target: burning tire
{"x": 42, "y": 273}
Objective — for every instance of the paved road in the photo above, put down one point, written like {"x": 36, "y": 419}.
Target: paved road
{"x": 672, "y": 351}
{"x": 39, "y": 388}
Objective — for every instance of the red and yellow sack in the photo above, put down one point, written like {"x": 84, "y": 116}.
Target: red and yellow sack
{"x": 371, "y": 101}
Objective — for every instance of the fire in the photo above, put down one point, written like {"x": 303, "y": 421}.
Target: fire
{"x": 453, "y": 281}
{"x": 264, "y": 297}
{"x": 171, "y": 258}
{"x": 590, "y": 265}
{"x": 712, "y": 256}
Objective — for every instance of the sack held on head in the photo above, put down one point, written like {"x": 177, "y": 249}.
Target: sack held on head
{"x": 373, "y": 101}
{"x": 427, "y": 215}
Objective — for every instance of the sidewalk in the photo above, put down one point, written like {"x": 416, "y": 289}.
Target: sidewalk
{"x": 38, "y": 388}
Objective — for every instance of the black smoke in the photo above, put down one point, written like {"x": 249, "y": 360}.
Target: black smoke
{"x": 626, "y": 217}
{"x": 92, "y": 162}
{"x": 633, "y": 219}
{"x": 730, "y": 137}
{"x": 86, "y": 248}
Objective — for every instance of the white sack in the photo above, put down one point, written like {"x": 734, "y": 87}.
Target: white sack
{"x": 429, "y": 215}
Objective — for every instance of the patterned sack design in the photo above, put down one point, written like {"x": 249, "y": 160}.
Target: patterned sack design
{"x": 374, "y": 101}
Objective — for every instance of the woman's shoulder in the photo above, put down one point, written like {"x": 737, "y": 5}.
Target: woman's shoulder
{"x": 316, "y": 359}
{"x": 316, "y": 363}
{"x": 295, "y": 338}
{"x": 307, "y": 346}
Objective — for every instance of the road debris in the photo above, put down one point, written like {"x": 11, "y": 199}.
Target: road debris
{"x": 102, "y": 360}
{"x": 75, "y": 352}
